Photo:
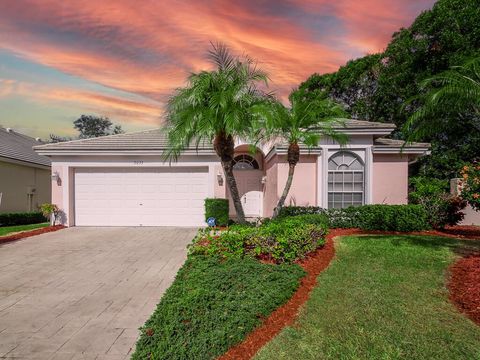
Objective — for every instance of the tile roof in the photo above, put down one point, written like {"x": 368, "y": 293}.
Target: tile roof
{"x": 16, "y": 146}
{"x": 362, "y": 124}
{"x": 154, "y": 139}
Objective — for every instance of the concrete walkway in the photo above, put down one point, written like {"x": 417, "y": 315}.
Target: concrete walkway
{"x": 82, "y": 293}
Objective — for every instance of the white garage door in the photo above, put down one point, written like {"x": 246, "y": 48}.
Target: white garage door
{"x": 140, "y": 197}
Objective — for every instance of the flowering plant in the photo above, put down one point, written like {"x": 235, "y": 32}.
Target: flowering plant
{"x": 470, "y": 192}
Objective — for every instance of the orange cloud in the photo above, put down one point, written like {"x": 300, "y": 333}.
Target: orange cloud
{"x": 148, "y": 48}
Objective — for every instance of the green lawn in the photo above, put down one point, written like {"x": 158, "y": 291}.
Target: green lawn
{"x": 383, "y": 297}
{"x": 5, "y": 230}
{"x": 212, "y": 305}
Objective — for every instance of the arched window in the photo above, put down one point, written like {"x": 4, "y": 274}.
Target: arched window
{"x": 346, "y": 180}
{"x": 245, "y": 162}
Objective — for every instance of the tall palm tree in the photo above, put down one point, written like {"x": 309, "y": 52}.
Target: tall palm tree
{"x": 304, "y": 122}
{"x": 215, "y": 107}
{"x": 453, "y": 95}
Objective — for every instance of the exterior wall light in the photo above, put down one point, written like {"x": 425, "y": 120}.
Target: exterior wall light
{"x": 55, "y": 176}
{"x": 220, "y": 178}
{"x": 264, "y": 180}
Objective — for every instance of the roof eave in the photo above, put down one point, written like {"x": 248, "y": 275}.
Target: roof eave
{"x": 25, "y": 163}
{"x": 399, "y": 150}
{"x": 120, "y": 152}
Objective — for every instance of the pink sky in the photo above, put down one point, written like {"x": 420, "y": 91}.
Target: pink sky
{"x": 59, "y": 59}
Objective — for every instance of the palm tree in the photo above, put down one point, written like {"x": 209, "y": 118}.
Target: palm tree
{"x": 304, "y": 122}
{"x": 454, "y": 92}
{"x": 215, "y": 107}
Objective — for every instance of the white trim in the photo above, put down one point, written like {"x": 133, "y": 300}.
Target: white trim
{"x": 319, "y": 180}
{"x": 284, "y": 151}
{"x": 368, "y": 175}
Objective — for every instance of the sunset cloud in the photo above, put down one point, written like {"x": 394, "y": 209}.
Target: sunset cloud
{"x": 147, "y": 48}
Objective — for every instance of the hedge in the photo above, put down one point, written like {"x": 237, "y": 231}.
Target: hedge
{"x": 403, "y": 218}
{"x": 218, "y": 209}
{"x": 10, "y": 219}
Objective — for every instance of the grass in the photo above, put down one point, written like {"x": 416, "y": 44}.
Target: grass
{"x": 5, "y": 230}
{"x": 212, "y": 305}
{"x": 383, "y": 297}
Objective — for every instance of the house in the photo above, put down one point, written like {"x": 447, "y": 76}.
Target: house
{"x": 24, "y": 175}
{"x": 121, "y": 180}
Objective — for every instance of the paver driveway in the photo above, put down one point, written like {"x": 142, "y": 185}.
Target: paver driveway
{"x": 82, "y": 293}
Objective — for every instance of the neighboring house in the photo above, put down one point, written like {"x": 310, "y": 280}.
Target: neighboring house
{"x": 24, "y": 175}
{"x": 121, "y": 180}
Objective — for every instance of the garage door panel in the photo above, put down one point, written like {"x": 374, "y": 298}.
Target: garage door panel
{"x": 140, "y": 197}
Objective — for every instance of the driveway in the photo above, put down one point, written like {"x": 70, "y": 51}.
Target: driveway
{"x": 82, "y": 293}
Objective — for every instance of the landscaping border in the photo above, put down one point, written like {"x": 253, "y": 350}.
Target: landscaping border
{"x": 314, "y": 264}
{"x": 464, "y": 286}
{"x": 25, "y": 234}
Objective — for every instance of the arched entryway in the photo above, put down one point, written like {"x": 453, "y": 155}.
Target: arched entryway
{"x": 249, "y": 171}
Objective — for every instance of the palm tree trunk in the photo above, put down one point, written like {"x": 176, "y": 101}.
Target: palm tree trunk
{"x": 293, "y": 157}
{"x": 224, "y": 147}
{"x": 232, "y": 186}
{"x": 286, "y": 189}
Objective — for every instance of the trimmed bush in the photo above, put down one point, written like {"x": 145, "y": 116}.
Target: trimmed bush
{"x": 403, "y": 218}
{"x": 217, "y": 208}
{"x": 212, "y": 305}
{"x": 442, "y": 208}
{"x": 300, "y": 210}
{"x": 10, "y": 219}
{"x": 280, "y": 240}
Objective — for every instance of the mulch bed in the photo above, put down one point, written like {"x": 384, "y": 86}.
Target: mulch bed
{"x": 286, "y": 314}
{"x": 25, "y": 234}
{"x": 318, "y": 261}
{"x": 464, "y": 286}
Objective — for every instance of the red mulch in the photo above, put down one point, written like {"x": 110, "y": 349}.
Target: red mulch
{"x": 464, "y": 286}
{"x": 25, "y": 234}
{"x": 286, "y": 314}
{"x": 314, "y": 265}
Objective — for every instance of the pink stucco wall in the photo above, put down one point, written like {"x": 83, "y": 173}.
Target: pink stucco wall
{"x": 270, "y": 196}
{"x": 57, "y": 189}
{"x": 390, "y": 179}
{"x": 304, "y": 185}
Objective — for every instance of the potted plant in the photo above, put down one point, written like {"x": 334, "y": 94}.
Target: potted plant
{"x": 50, "y": 211}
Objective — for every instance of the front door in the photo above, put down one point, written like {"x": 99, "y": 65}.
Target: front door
{"x": 250, "y": 188}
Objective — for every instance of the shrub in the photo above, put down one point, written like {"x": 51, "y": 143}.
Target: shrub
{"x": 471, "y": 184}
{"x": 369, "y": 217}
{"x": 218, "y": 209}
{"x": 442, "y": 208}
{"x": 300, "y": 210}
{"x": 50, "y": 211}
{"x": 289, "y": 239}
{"x": 212, "y": 305}
{"x": 403, "y": 218}
{"x": 280, "y": 240}
{"x": 10, "y": 219}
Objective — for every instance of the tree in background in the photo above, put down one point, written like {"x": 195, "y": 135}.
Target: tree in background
{"x": 376, "y": 87}
{"x": 94, "y": 126}
{"x": 303, "y": 123}
{"x": 215, "y": 107}
{"x": 90, "y": 126}
{"x": 451, "y": 99}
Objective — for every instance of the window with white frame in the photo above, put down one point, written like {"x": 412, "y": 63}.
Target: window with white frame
{"x": 346, "y": 180}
